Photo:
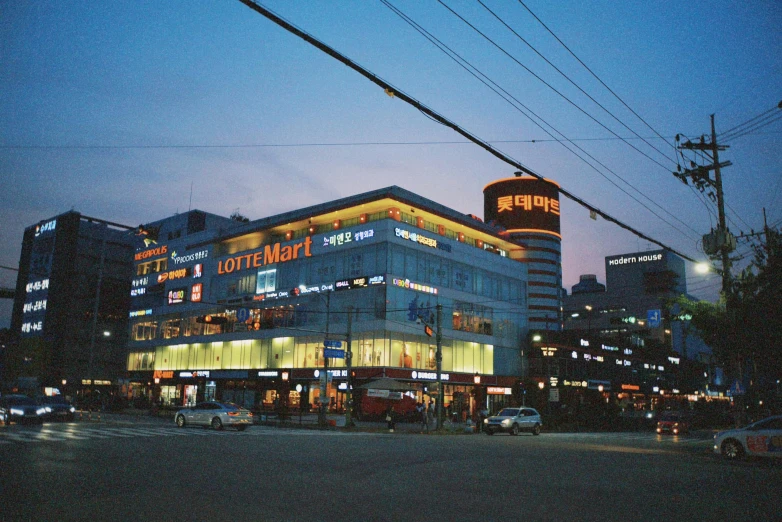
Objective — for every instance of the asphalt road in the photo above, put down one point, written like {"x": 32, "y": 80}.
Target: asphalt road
{"x": 154, "y": 471}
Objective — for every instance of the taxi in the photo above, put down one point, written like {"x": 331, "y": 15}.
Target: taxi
{"x": 761, "y": 439}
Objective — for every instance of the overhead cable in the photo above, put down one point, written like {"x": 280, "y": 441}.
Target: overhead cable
{"x": 387, "y": 87}
{"x": 513, "y": 101}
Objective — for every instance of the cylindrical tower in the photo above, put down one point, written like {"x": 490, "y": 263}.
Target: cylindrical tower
{"x": 528, "y": 209}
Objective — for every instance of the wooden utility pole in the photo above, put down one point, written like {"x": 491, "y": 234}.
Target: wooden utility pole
{"x": 721, "y": 241}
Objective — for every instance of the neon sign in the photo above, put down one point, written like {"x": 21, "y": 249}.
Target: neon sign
{"x": 269, "y": 255}
{"x": 347, "y": 237}
{"x": 406, "y": 283}
{"x": 177, "y": 296}
{"x": 415, "y": 237}
{"x": 195, "y": 256}
{"x": 46, "y": 227}
{"x": 43, "y": 284}
{"x": 152, "y": 252}
{"x": 179, "y": 273}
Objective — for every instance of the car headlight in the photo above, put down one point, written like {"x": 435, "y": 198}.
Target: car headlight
{"x": 506, "y": 422}
{"x": 73, "y": 410}
{"x": 486, "y": 421}
{"x": 47, "y": 409}
{"x": 40, "y": 411}
{"x": 649, "y": 415}
{"x": 15, "y": 411}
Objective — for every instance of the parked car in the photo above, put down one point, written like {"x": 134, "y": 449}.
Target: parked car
{"x": 514, "y": 421}
{"x": 57, "y": 407}
{"x": 762, "y": 439}
{"x": 20, "y": 408}
{"x": 674, "y": 422}
{"x": 214, "y": 414}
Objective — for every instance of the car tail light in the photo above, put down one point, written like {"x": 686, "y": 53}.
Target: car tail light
{"x": 233, "y": 413}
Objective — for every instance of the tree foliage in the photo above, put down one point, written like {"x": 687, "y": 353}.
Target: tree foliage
{"x": 745, "y": 327}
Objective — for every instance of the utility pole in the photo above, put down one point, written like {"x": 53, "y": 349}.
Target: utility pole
{"x": 439, "y": 359}
{"x": 324, "y": 378}
{"x": 349, "y": 366}
{"x": 721, "y": 242}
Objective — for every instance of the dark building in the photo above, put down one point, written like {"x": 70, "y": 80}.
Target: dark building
{"x": 69, "y": 322}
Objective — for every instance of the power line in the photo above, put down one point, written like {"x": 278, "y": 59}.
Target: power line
{"x": 593, "y": 74}
{"x": 284, "y": 145}
{"x": 388, "y": 88}
{"x": 462, "y": 62}
{"x": 571, "y": 102}
{"x": 571, "y": 81}
{"x": 741, "y": 128}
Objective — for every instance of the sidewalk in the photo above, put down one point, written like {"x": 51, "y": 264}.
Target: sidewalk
{"x": 305, "y": 421}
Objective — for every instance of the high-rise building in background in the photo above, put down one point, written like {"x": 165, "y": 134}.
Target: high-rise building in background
{"x": 69, "y": 322}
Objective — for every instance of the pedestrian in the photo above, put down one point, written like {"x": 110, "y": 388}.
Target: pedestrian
{"x": 390, "y": 419}
{"x": 430, "y": 413}
{"x": 424, "y": 420}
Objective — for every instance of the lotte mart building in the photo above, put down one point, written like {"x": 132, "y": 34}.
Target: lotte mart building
{"x": 240, "y": 311}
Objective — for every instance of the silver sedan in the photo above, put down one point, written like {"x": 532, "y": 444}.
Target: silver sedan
{"x": 214, "y": 414}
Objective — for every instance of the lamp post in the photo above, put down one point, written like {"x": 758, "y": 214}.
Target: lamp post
{"x": 324, "y": 379}
{"x": 323, "y": 398}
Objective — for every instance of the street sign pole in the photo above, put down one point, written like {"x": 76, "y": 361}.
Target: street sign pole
{"x": 439, "y": 359}
{"x": 324, "y": 378}
{"x": 348, "y": 365}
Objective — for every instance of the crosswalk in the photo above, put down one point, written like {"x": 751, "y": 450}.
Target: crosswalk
{"x": 77, "y": 432}
{"x": 70, "y": 432}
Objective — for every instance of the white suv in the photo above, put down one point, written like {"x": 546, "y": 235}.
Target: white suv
{"x": 513, "y": 421}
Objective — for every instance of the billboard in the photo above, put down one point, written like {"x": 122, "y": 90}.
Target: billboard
{"x": 523, "y": 204}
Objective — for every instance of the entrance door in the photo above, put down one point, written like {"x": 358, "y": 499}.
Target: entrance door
{"x": 191, "y": 392}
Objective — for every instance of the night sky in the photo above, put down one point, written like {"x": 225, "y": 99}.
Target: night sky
{"x": 116, "y": 109}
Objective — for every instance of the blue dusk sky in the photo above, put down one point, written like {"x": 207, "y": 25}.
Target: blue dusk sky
{"x": 116, "y": 109}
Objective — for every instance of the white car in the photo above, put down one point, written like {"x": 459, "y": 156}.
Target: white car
{"x": 761, "y": 439}
{"x": 214, "y": 414}
{"x": 513, "y": 421}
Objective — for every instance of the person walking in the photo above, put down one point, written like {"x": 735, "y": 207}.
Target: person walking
{"x": 424, "y": 420}
{"x": 390, "y": 419}
{"x": 429, "y": 414}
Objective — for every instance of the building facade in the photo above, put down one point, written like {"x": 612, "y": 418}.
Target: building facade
{"x": 69, "y": 319}
{"x": 243, "y": 313}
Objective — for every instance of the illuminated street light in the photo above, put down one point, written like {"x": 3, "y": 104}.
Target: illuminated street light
{"x": 702, "y": 268}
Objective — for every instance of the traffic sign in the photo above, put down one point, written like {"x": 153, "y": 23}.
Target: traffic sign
{"x": 737, "y": 388}
{"x": 330, "y": 353}
{"x": 654, "y": 318}
{"x": 332, "y": 344}
{"x": 242, "y": 314}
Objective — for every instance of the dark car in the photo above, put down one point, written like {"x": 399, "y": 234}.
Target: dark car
{"x": 674, "y": 422}
{"x": 20, "y": 408}
{"x": 57, "y": 407}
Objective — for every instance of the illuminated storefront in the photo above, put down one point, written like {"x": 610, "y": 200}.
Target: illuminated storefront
{"x": 245, "y": 312}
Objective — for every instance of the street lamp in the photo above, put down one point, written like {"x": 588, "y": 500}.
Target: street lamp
{"x": 324, "y": 400}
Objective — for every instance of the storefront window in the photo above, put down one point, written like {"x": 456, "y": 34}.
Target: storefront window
{"x": 144, "y": 331}
{"x": 141, "y": 361}
{"x": 171, "y": 328}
